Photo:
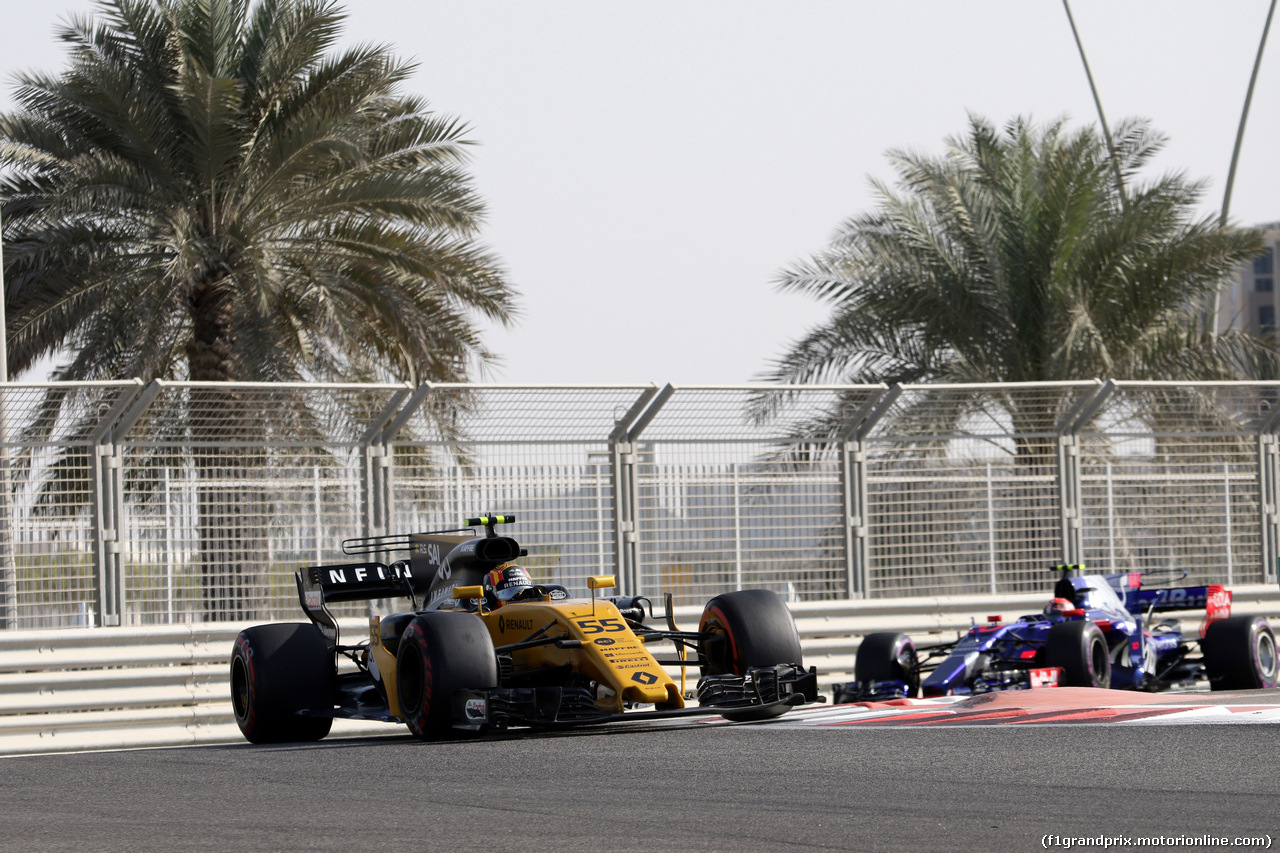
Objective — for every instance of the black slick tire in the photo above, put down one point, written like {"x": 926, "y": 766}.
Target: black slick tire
{"x": 277, "y": 671}
{"x": 440, "y": 653}
{"x": 1081, "y": 650}
{"x": 1240, "y": 653}
{"x": 745, "y": 629}
{"x": 888, "y": 656}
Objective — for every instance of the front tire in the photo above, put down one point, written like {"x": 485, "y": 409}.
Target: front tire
{"x": 1081, "y": 650}
{"x": 888, "y": 656}
{"x": 277, "y": 671}
{"x": 1240, "y": 653}
{"x": 441, "y": 652}
{"x": 745, "y": 629}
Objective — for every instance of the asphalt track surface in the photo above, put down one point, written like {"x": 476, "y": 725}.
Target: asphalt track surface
{"x": 660, "y": 788}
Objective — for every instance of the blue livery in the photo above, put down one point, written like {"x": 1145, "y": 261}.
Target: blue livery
{"x": 1099, "y": 630}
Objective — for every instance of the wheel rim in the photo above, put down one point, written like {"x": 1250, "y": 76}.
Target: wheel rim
{"x": 239, "y": 689}
{"x": 1098, "y": 660}
{"x": 715, "y": 648}
{"x": 723, "y": 659}
{"x": 1267, "y": 656}
{"x": 907, "y": 662}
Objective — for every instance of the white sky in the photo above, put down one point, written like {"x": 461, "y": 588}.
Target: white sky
{"x": 651, "y": 165}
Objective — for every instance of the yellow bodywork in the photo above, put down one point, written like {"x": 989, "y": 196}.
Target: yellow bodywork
{"x": 610, "y": 655}
{"x": 386, "y": 663}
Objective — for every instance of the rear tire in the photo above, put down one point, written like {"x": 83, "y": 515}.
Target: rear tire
{"x": 1081, "y": 650}
{"x": 277, "y": 671}
{"x": 748, "y": 628}
{"x": 888, "y": 656}
{"x": 1240, "y": 653}
{"x": 441, "y": 652}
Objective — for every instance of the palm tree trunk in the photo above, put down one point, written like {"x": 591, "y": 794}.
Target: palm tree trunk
{"x": 210, "y": 350}
{"x": 231, "y": 511}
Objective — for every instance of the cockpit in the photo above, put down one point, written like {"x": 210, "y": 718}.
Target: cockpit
{"x": 1093, "y": 592}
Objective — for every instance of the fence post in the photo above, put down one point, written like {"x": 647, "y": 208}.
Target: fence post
{"x": 376, "y": 483}
{"x": 856, "y": 426}
{"x": 166, "y": 496}
{"x": 1069, "y": 476}
{"x": 8, "y": 524}
{"x": 373, "y": 488}
{"x": 373, "y": 457}
{"x": 106, "y": 486}
{"x": 108, "y": 512}
{"x": 622, "y": 466}
{"x": 992, "y": 585}
{"x": 737, "y": 527}
{"x": 1269, "y": 495}
{"x": 622, "y": 475}
{"x": 853, "y": 477}
{"x": 1069, "y": 499}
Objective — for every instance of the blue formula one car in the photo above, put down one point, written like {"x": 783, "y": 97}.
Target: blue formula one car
{"x": 1098, "y": 631}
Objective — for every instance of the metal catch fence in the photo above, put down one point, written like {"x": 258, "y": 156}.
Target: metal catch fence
{"x": 130, "y": 504}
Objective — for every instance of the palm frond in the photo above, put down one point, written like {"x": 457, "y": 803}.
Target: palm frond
{"x": 1011, "y": 258}
{"x": 226, "y": 147}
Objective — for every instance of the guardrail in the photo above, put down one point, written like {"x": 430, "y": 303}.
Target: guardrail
{"x": 109, "y": 688}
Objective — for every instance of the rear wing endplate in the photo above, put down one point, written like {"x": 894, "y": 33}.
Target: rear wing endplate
{"x": 320, "y": 586}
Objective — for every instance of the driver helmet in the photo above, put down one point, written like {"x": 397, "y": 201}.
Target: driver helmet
{"x": 505, "y": 583}
{"x": 1059, "y": 606}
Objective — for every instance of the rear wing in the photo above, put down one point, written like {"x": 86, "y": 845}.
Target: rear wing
{"x": 360, "y": 581}
{"x": 1214, "y": 598}
{"x": 1139, "y": 601}
{"x": 429, "y": 556}
{"x": 320, "y": 586}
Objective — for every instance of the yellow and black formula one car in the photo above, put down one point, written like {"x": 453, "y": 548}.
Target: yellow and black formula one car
{"x": 484, "y": 648}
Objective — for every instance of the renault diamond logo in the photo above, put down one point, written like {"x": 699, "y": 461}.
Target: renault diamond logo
{"x": 644, "y": 677}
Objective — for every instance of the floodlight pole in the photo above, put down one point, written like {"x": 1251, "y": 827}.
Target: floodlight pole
{"x": 1097, "y": 100}
{"x": 1215, "y": 301}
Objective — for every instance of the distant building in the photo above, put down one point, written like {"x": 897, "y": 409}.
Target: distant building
{"x": 1250, "y": 300}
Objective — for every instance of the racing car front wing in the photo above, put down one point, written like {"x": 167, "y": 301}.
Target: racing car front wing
{"x": 561, "y": 707}
{"x": 1030, "y": 678}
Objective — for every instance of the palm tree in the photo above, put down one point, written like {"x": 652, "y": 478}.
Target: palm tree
{"x": 1024, "y": 254}
{"x": 209, "y": 191}
{"x": 281, "y": 212}
{"x": 1015, "y": 258}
